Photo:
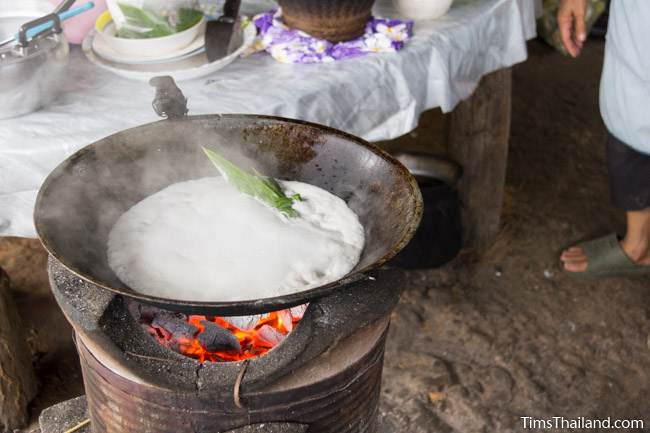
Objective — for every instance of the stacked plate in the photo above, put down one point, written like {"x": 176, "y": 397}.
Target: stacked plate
{"x": 181, "y": 55}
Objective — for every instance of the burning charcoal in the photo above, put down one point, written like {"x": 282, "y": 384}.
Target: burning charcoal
{"x": 216, "y": 339}
{"x": 270, "y": 335}
{"x": 177, "y": 326}
{"x": 160, "y": 333}
{"x": 299, "y": 311}
{"x": 287, "y": 320}
{"x": 245, "y": 323}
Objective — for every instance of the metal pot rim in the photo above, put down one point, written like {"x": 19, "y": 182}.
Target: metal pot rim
{"x": 52, "y": 43}
{"x": 431, "y": 166}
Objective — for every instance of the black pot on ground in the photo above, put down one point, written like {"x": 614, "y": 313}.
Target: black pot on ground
{"x": 439, "y": 237}
{"x": 333, "y": 20}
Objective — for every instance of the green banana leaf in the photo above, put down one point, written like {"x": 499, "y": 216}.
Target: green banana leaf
{"x": 264, "y": 188}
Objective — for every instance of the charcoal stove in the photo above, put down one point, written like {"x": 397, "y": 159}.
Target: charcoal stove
{"x": 321, "y": 376}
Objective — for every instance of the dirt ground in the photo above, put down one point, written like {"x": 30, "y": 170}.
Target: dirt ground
{"x": 485, "y": 340}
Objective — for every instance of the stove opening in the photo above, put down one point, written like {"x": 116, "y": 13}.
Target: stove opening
{"x": 221, "y": 339}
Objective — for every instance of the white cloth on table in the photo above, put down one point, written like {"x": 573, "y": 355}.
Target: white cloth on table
{"x": 377, "y": 97}
{"x": 625, "y": 83}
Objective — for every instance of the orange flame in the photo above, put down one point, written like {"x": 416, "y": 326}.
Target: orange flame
{"x": 253, "y": 343}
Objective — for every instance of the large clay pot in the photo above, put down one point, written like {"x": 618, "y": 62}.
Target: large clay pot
{"x": 333, "y": 20}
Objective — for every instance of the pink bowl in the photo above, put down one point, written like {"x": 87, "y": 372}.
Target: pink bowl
{"x": 76, "y": 28}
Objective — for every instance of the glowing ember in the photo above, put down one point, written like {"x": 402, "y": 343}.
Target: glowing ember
{"x": 188, "y": 334}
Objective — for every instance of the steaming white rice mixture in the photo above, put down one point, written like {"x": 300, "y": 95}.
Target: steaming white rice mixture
{"x": 202, "y": 240}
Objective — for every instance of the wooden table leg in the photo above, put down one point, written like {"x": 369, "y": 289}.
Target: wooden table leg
{"x": 17, "y": 380}
{"x": 479, "y": 130}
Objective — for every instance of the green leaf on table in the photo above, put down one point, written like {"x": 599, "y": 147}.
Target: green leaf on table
{"x": 149, "y": 25}
{"x": 264, "y": 188}
{"x": 187, "y": 18}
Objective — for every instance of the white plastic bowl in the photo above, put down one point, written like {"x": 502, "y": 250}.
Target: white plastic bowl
{"x": 145, "y": 47}
{"x": 423, "y": 9}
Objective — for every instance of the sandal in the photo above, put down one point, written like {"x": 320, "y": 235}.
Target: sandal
{"x": 606, "y": 258}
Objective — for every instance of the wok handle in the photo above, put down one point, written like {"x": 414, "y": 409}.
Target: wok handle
{"x": 169, "y": 101}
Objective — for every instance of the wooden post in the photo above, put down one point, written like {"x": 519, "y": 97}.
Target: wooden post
{"x": 17, "y": 380}
{"x": 479, "y": 130}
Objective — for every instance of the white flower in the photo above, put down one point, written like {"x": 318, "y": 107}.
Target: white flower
{"x": 267, "y": 40}
{"x": 319, "y": 46}
{"x": 284, "y": 54}
{"x": 378, "y": 43}
{"x": 395, "y": 33}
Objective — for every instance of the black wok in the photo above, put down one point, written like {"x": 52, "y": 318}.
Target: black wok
{"x": 83, "y": 197}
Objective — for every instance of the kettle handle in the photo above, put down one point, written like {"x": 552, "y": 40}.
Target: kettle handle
{"x": 51, "y": 18}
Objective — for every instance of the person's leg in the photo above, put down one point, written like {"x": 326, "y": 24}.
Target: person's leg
{"x": 636, "y": 243}
{"x": 630, "y": 190}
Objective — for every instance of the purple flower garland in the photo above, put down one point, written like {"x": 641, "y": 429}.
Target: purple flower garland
{"x": 294, "y": 46}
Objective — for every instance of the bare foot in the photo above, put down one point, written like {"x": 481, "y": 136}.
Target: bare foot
{"x": 574, "y": 259}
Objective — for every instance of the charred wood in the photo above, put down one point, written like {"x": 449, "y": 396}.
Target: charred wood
{"x": 216, "y": 339}
{"x": 176, "y": 325}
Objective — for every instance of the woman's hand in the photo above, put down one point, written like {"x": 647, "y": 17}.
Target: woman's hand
{"x": 571, "y": 22}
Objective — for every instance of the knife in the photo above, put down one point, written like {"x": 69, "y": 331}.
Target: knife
{"x": 222, "y": 36}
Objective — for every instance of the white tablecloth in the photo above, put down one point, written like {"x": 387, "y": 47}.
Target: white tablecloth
{"x": 376, "y": 97}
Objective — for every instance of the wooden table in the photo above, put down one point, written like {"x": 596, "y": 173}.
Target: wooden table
{"x": 479, "y": 132}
